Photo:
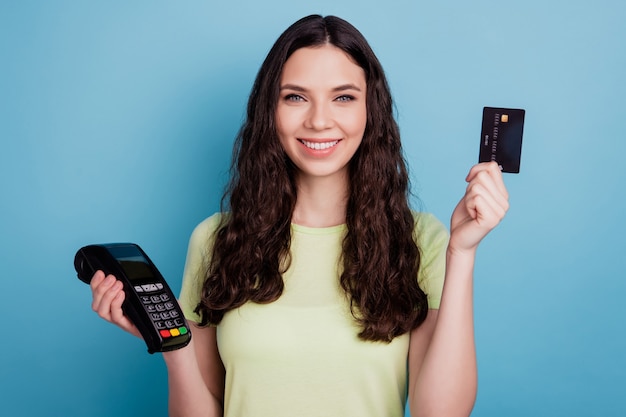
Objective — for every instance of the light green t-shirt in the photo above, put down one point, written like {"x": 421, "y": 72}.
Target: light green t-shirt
{"x": 300, "y": 355}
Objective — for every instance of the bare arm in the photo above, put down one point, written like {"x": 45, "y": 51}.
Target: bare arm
{"x": 442, "y": 355}
{"x": 196, "y": 376}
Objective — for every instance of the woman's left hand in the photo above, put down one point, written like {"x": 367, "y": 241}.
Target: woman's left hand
{"x": 480, "y": 210}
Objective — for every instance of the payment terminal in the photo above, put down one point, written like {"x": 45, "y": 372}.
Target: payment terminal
{"x": 149, "y": 302}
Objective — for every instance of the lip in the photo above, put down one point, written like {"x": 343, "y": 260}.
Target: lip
{"x": 319, "y": 147}
{"x": 319, "y": 140}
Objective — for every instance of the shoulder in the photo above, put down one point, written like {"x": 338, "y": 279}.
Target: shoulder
{"x": 204, "y": 231}
{"x": 431, "y": 238}
{"x": 196, "y": 265}
{"x": 428, "y": 230}
{"x": 211, "y": 223}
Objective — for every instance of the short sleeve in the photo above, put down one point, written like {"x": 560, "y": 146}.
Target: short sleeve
{"x": 432, "y": 238}
{"x": 196, "y": 265}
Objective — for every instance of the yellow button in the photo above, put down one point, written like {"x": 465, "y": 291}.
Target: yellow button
{"x": 174, "y": 332}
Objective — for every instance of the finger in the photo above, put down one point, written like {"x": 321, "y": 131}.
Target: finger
{"x": 493, "y": 169}
{"x": 487, "y": 213}
{"x": 483, "y": 166}
{"x": 484, "y": 183}
{"x": 103, "y": 308}
{"x": 97, "y": 279}
{"x": 99, "y": 285}
{"x": 490, "y": 175}
{"x": 107, "y": 291}
{"x": 117, "y": 314}
{"x": 490, "y": 197}
{"x": 496, "y": 174}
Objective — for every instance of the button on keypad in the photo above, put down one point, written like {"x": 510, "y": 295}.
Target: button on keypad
{"x": 162, "y": 311}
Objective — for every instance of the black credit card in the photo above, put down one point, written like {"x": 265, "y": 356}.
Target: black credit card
{"x": 501, "y": 137}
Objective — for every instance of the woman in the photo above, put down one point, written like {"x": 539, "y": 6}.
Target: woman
{"x": 318, "y": 291}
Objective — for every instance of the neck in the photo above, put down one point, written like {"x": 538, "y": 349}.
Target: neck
{"x": 321, "y": 202}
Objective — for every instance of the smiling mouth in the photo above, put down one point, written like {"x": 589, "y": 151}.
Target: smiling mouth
{"x": 318, "y": 146}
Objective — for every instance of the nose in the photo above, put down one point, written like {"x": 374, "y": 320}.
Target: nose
{"x": 319, "y": 116}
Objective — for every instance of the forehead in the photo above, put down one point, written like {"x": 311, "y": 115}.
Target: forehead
{"x": 322, "y": 65}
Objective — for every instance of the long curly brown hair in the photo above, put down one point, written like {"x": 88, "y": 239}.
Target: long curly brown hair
{"x": 252, "y": 244}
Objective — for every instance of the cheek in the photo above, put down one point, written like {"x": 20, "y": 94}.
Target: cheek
{"x": 356, "y": 122}
{"x": 280, "y": 128}
{"x": 284, "y": 122}
{"x": 282, "y": 140}
{"x": 284, "y": 133}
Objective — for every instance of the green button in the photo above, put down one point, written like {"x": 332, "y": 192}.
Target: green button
{"x": 182, "y": 330}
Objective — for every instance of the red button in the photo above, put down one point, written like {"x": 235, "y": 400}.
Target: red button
{"x": 165, "y": 333}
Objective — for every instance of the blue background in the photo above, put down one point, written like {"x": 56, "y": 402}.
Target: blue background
{"x": 117, "y": 120}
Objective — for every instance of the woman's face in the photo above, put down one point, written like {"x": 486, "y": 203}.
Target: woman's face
{"x": 321, "y": 112}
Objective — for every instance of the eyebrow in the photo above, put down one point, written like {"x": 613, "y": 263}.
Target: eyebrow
{"x": 342, "y": 87}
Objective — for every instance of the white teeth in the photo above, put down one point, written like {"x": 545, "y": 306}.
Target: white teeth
{"x": 319, "y": 145}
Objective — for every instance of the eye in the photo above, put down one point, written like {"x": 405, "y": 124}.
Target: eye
{"x": 294, "y": 97}
{"x": 345, "y": 98}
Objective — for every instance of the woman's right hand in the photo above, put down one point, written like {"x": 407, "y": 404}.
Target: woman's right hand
{"x": 108, "y": 297}
{"x": 195, "y": 372}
